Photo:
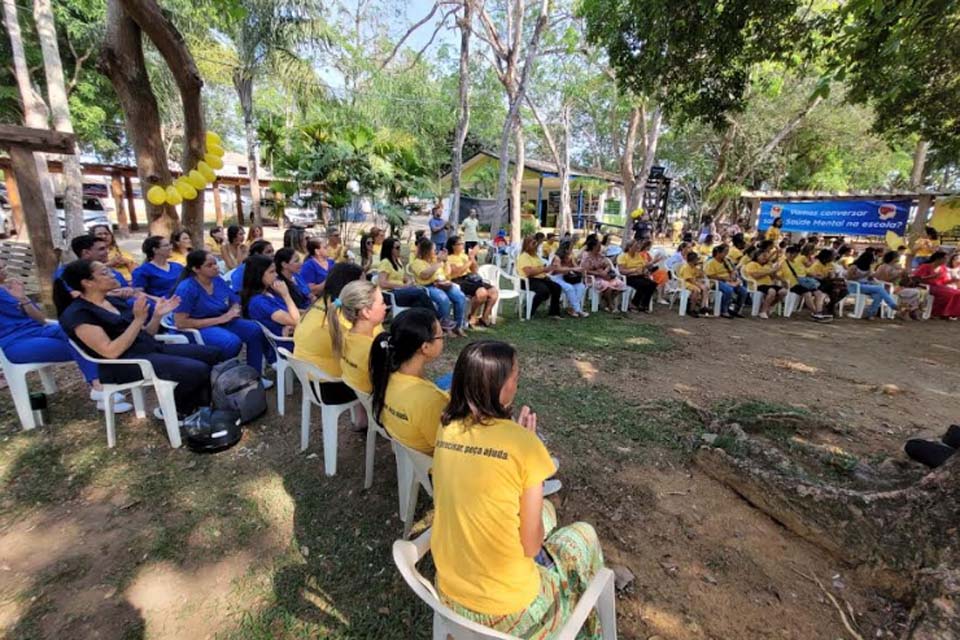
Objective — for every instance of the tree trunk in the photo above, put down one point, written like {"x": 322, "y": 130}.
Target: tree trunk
{"x": 650, "y": 144}
{"x": 121, "y": 60}
{"x": 565, "y": 215}
{"x": 60, "y": 110}
{"x": 637, "y": 116}
{"x": 34, "y": 115}
{"x": 463, "y": 120}
{"x": 502, "y": 176}
{"x": 919, "y": 163}
{"x": 516, "y": 188}
{"x": 172, "y": 47}
{"x": 243, "y": 83}
{"x": 30, "y": 188}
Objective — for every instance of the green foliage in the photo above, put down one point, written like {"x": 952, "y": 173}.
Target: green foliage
{"x": 904, "y": 60}
{"x": 693, "y": 57}
{"x": 482, "y": 183}
{"x": 528, "y": 226}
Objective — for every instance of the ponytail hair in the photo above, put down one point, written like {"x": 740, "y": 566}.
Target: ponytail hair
{"x": 195, "y": 260}
{"x": 408, "y": 332}
{"x": 342, "y": 274}
{"x": 353, "y": 298}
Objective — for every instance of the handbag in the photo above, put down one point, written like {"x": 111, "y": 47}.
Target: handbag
{"x": 808, "y": 283}
{"x": 573, "y": 277}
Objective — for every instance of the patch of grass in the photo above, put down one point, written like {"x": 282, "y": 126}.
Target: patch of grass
{"x": 601, "y": 333}
{"x": 751, "y": 409}
{"x": 597, "y": 419}
{"x": 47, "y": 472}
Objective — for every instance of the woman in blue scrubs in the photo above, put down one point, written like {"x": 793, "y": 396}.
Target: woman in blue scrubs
{"x": 209, "y": 305}
{"x": 288, "y": 266}
{"x": 157, "y": 276}
{"x": 266, "y": 298}
{"x": 316, "y": 266}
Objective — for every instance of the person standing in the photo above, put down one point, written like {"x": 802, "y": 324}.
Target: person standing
{"x": 471, "y": 228}
{"x": 438, "y": 229}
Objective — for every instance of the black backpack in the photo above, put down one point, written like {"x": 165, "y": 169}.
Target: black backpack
{"x": 237, "y": 387}
{"x": 210, "y": 430}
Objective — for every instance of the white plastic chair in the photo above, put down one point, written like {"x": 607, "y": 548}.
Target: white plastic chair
{"x": 447, "y": 624}
{"x": 491, "y": 273}
{"x": 374, "y": 428}
{"x": 16, "y": 375}
{"x": 310, "y": 378}
{"x": 791, "y": 304}
{"x": 285, "y": 376}
{"x": 193, "y": 335}
{"x": 859, "y": 300}
{"x": 516, "y": 291}
{"x": 413, "y": 472}
{"x": 756, "y": 298}
{"x": 928, "y": 306}
{"x": 395, "y": 309}
{"x": 163, "y": 389}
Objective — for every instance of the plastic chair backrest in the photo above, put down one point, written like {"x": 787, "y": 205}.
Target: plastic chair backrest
{"x": 366, "y": 401}
{"x": 421, "y": 463}
{"x": 310, "y": 375}
{"x": 406, "y": 554}
{"x": 490, "y": 273}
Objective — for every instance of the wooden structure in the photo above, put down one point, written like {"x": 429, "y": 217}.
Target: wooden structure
{"x": 122, "y": 190}
{"x": 21, "y": 143}
{"x": 656, "y": 196}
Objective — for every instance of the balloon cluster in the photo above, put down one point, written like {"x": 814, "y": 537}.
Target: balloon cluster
{"x": 186, "y": 186}
{"x": 637, "y": 213}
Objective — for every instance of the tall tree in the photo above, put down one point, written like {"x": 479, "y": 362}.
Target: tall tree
{"x": 34, "y": 112}
{"x": 464, "y": 22}
{"x": 60, "y": 110}
{"x": 122, "y": 61}
{"x": 514, "y": 56}
{"x": 168, "y": 41}
{"x": 266, "y": 35}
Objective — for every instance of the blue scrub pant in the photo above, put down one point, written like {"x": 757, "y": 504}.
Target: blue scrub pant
{"x": 231, "y": 337}
{"x": 730, "y": 294}
{"x": 442, "y": 299}
{"x": 46, "y": 343}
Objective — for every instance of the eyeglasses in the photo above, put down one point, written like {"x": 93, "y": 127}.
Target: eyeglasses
{"x": 439, "y": 337}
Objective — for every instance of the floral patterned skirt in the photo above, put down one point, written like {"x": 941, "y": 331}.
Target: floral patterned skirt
{"x": 576, "y": 552}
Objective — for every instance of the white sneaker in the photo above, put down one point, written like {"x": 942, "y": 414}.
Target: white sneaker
{"x": 550, "y": 487}
{"x": 662, "y": 301}
{"x": 97, "y": 395}
{"x": 158, "y": 414}
{"x": 118, "y": 407}
{"x": 267, "y": 384}
{"x": 556, "y": 463}
{"x": 763, "y": 316}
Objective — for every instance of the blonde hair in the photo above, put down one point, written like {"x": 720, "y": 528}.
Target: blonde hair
{"x": 354, "y": 297}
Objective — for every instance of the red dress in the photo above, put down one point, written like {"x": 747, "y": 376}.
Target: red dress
{"x": 946, "y": 300}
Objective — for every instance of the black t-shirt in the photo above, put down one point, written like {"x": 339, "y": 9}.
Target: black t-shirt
{"x": 81, "y": 312}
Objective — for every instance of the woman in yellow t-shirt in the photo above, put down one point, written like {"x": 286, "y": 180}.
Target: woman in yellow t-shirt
{"x": 762, "y": 272}
{"x": 312, "y": 341}
{"x": 634, "y": 266}
{"x": 695, "y": 281}
{"x": 924, "y": 247}
{"x": 360, "y": 303}
{"x": 531, "y": 267}
{"x": 773, "y": 232}
{"x": 462, "y": 269}
{"x": 824, "y": 270}
{"x": 392, "y": 278}
{"x": 428, "y": 271}
{"x": 181, "y": 243}
{"x": 791, "y": 272}
{"x": 215, "y": 242}
{"x": 404, "y": 401}
{"x": 500, "y": 560}
{"x": 118, "y": 259}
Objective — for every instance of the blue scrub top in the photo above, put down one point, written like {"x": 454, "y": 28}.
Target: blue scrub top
{"x": 13, "y": 320}
{"x": 303, "y": 289}
{"x": 262, "y": 306}
{"x": 116, "y": 274}
{"x": 313, "y": 272}
{"x": 155, "y": 281}
{"x": 236, "y": 277}
{"x": 197, "y": 303}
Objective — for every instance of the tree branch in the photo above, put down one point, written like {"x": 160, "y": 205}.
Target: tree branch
{"x": 546, "y": 130}
{"x": 409, "y": 33}
{"x": 493, "y": 38}
{"x": 440, "y": 25}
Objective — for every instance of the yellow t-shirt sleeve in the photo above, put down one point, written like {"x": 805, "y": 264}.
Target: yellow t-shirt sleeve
{"x": 713, "y": 269}
{"x": 535, "y": 464}
{"x": 427, "y": 418}
{"x": 524, "y": 261}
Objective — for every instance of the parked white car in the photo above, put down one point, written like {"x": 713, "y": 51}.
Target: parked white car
{"x": 94, "y": 213}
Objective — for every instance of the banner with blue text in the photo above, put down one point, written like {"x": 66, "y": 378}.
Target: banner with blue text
{"x": 841, "y": 217}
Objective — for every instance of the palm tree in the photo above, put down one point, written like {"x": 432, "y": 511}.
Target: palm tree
{"x": 266, "y": 36}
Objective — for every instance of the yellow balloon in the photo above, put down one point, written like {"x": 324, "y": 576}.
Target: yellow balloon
{"x": 156, "y": 195}
{"x": 185, "y": 189}
{"x": 215, "y": 150}
{"x": 206, "y": 171}
{"x": 213, "y": 161}
{"x": 213, "y": 139}
{"x": 196, "y": 179}
{"x": 173, "y": 196}
{"x": 636, "y": 213}
{"x": 894, "y": 241}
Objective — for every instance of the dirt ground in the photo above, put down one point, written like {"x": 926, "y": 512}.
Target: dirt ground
{"x": 147, "y": 542}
